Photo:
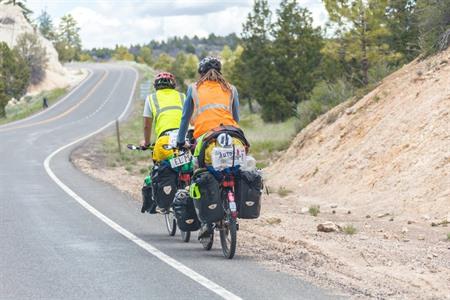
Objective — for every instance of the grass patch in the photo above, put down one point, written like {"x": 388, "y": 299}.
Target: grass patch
{"x": 266, "y": 138}
{"x": 32, "y": 104}
{"x": 314, "y": 210}
{"x": 143, "y": 171}
{"x": 349, "y": 229}
{"x": 283, "y": 192}
{"x": 131, "y": 132}
{"x": 261, "y": 164}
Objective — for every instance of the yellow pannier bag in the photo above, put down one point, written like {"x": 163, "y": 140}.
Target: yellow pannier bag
{"x": 159, "y": 153}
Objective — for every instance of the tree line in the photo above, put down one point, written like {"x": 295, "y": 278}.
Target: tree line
{"x": 291, "y": 68}
{"x": 283, "y": 65}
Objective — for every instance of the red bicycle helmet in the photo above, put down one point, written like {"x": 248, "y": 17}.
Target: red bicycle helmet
{"x": 164, "y": 80}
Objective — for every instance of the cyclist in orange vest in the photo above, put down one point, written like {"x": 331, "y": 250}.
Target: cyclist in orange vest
{"x": 210, "y": 102}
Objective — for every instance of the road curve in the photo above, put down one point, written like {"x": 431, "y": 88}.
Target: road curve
{"x": 64, "y": 235}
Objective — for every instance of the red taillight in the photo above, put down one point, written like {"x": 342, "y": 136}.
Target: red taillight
{"x": 228, "y": 183}
{"x": 185, "y": 177}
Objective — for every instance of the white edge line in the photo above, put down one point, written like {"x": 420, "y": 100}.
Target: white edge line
{"x": 73, "y": 90}
{"x": 212, "y": 286}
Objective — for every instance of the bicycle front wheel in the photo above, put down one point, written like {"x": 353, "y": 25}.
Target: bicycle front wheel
{"x": 228, "y": 238}
{"x": 171, "y": 223}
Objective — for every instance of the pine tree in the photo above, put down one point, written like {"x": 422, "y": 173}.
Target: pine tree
{"x": 403, "y": 25}
{"x": 363, "y": 28}
{"x": 45, "y": 25}
{"x": 256, "y": 67}
{"x": 68, "y": 42}
{"x": 434, "y": 25}
{"x": 296, "y": 51}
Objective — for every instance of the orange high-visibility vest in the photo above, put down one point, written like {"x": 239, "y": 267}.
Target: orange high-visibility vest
{"x": 213, "y": 107}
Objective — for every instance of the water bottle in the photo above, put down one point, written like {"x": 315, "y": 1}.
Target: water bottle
{"x": 250, "y": 164}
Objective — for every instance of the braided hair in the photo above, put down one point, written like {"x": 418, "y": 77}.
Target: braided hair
{"x": 214, "y": 75}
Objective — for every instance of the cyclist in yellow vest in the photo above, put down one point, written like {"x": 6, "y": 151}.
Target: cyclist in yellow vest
{"x": 163, "y": 109}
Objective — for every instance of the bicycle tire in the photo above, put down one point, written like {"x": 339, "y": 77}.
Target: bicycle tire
{"x": 228, "y": 238}
{"x": 208, "y": 242}
{"x": 171, "y": 223}
{"x": 185, "y": 236}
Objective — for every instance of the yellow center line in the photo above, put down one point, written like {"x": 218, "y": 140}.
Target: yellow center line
{"x": 65, "y": 113}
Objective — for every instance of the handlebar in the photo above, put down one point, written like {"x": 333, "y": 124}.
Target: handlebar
{"x": 139, "y": 148}
{"x": 170, "y": 147}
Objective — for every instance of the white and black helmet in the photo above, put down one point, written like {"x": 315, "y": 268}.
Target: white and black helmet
{"x": 208, "y": 63}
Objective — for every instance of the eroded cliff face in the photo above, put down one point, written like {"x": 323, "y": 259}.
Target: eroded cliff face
{"x": 12, "y": 25}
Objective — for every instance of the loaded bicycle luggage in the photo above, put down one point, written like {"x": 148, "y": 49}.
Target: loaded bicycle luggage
{"x": 184, "y": 210}
{"x": 171, "y": 173}
{"x": 248, "y": 190}
{"x": 164, "y": 184}
{"x": 226, "y": 187}
{"x": 205, "y": 192}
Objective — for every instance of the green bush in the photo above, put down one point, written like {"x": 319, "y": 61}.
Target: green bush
{"x": 379, "y": 71}
{"x": 323, "y": 97}
{"x": 308, "y": 111}
{"x": 349, "y": 229}
{"x": 314, "y": 210}
{"x": 34, "y": 54}
{"x": 434, "y": 25}
{"x": 14, "y": 76}
{"x": 276, "y": 108}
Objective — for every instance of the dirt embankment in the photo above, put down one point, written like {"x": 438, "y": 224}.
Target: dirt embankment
{"x": 380, "y": 167}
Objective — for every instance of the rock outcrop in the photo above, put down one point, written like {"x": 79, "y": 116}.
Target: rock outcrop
{"x": 12, "y": 25}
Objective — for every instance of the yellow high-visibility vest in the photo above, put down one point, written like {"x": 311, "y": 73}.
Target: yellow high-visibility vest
{"x": 167, "y": 106}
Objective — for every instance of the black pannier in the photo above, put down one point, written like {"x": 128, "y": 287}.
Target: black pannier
{"x": 184, "y": 210}
{"x": 208, "y": 206}
{"x": 248, "y": 190}
{"x": 164, "y": 182}
{"x": 147, "y": 198}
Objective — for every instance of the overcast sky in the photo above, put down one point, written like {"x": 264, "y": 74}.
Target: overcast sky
{"x": 107, "y": 23}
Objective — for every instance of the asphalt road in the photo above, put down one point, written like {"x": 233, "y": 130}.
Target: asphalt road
{"x": 64, "y": 235}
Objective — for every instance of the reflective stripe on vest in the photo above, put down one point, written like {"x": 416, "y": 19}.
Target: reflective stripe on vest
{"x": 198, "y": 110}
{"x": 159, "y": 110}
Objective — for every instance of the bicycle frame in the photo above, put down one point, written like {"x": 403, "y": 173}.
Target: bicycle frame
{"x": 227, "y": 185}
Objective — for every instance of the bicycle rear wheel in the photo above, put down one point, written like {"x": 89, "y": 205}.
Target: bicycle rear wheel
{"x": 171, "y": 222}
{"x": 228, "y": 238}
{"x": 185, "y": 236}
{"x": 208, "y": 242}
